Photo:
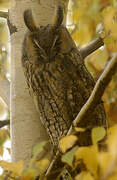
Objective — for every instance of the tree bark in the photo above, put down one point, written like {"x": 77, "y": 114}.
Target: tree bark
{"x": 26, "y": 128}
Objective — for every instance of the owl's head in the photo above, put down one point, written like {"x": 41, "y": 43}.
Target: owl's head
{"x": 48, "y": 41}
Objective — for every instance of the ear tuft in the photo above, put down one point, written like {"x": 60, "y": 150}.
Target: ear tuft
{"x": 58, "y": 17}
{"x": 29, "y": 21}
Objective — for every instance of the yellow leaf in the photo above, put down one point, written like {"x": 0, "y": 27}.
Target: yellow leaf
{"x": 14, "y": 167}
{"x": 112, "y": 141}
{"x": 98, "y": 134}
{"x": 84, "y": 176}
{"x": 67, "y": 142}
{"x": 42, "y": 165}
{"x": 105, "y": 161}
{"x": 89, "y": 155}
{"x": 78, "y": 129}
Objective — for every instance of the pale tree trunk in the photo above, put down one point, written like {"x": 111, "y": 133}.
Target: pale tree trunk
{"x": 26, "y": 128}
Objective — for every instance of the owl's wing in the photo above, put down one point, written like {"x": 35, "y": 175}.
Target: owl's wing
{"x": 84, "y": 84}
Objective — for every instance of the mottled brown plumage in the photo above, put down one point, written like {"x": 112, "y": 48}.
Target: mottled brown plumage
{"x": 57, "y": 78}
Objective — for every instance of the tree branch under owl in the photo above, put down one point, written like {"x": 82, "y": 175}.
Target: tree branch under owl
{"x": 95, "y": 97}
{"x": 98, "y": 90}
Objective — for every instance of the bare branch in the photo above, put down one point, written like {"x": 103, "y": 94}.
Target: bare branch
{"x": 98, "y": 90}
{"x": 56, "y": 160}
{"x": 4, "y": 123}
{"x": 3, "y": 14}
{"x": 91, "y": 47}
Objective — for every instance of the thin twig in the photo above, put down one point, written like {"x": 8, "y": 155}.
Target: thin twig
{"x": 4, "y": 123}
{"x": 91, "y": 47}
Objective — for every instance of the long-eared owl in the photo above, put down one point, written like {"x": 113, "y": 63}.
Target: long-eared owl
{"x": 57, "y": 78}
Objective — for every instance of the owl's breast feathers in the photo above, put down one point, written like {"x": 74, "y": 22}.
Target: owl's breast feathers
{"x": 60, "y": 88}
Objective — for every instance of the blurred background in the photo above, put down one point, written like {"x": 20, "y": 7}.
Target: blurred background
{"x": 4, "y": 81}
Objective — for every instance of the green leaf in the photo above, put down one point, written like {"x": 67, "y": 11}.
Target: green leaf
{"x": 98, "y": 134}
{"x": 69, "y": 156}
{"x": 38, "y": 148}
